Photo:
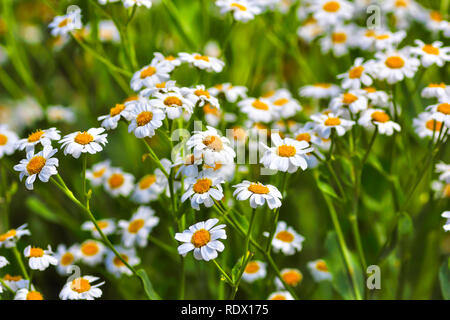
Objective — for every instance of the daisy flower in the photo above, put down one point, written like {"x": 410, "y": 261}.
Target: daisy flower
{"x": 118, "y": 183}
{"x": 107, "y": 31}
{"x": 426, "y": 126}
{"x": 90, "y": 141}
{"x": 111, "y": 120}
{"x": 280, "y": 295}
{"x": 319, "y": 270}
{"x": 284, "y": 105}
{"x": 202, "y": 62}
{"x": 326, "y": 122}
{"x": 433, "y": 21}
{"x": 319, "y": 91}
{"x": 441, "y": 189}
{"x": 116, "y": 266}
{"x": 226, "y": 171}
{"x": 187, "y": 166}
{"x": 446, "y": 214}
{"x": 203, "y": 189}
{"x": 199, "y": 96}
{"x": 145, "y": 119}
{"x": 62, "y": 25}
{"x": 286, "y": 239}
{"x": 213, "y": 115}
{"x": 258, "y": 110}
{"x": 44, "y": 137}
{"x": 60, "y": 114}
{"x": 139, "y": 3}
{"x": 162, "y": 87}
{"x": 379, "y": 118}
{"x": 365, "y": 39}
{"x": 16, "y": 282}
{"x": 173, "y": 103}
{"x": 66, "y": 258}
{"x": 441, "y": 112}
{"x": 137, "y": 229}
{"x": 203, "y": 238}
{"x": 156, "y": 72}
{"x": 292, "y": 277}
{"x": 211, "y": 147}
{"x": 91, "y": 252}
{"x": 39, "y": 259}
{"x": 376, "y": 97}
{"x": 40, "y": 165}
{"x": 230, "y": 92}
{"x": 355, "y": 101}
{"x": 394, "y": 66}
{"x": 331, "y": 12}
{"x": 338, "y": 41}
{"x": 108, "y": 226}
{"x": 444, "y": 170}
{"x": 9, "y": 238}
{"x": 258, "y": 194}
{"x": 286, "y": 155}
{"x": 441, "y": 91}
{"x": 8, "y": 140}
{"x": 357, "y": 75}
{"x": 430, "y": 54}
{"x": 149, "y": 187}
{"x": 174, "y": 61}
{"x": 3, "y": 262}
{"x": 385, "y": 40}
{"x": 308, "y": 134}
{"x": 243, "y": 10}
{"x": 25, "y": 294}
{"x": 81, "y": 288}
{"x": 310, "y": 30}
{"x": 97, "y": 174}
{"x": 254, "y": 270}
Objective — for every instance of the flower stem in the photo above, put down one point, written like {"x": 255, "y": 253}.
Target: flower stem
{"x": 224, "y": 274}
{"x": 20, "y": 262}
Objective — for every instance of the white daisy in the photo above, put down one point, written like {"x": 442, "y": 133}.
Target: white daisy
{"x": 108, "y": 226}
{"x": 355, "y": 101}
{"x": 441, "y": 91}
{"x": 162, "y": 87}
{"x": 254, "y": 270}
{"x": 136, "y": 230}
{"x": 118, "y": 183}
{"x": 60, "y": 114}
{"x": 326, "y": 122}
{"x": 62, "y": 25}
{"x": 291, "y": 276}
{"x": 145, "y": 119}
{"x": 203, "y": 189}
{"x": 280, "y": 295}
{"x": 258, "y": 194}
{"x": 107, "y": 31}
{"x": 97, "y": 174}
{"x": 199, "y": 96}
{"x": 286, "y": 239}
{"x": 283, "y": 104}
{"x": 446, "y": 214}
{"x": 156, "y": 72}
{"x": 258, "y": 110}
{"x": 430, "y": 54}
{"x": 308, "y": 134}
{"x": 139, "y": 3}
{"x": 310, "y": 30}
{"x": 116, "y": 266}
{"x": 202, "y": 62}
{"x": 376, "y": 97}
{"x": 66, "y": 258}
{"x": 8, "y": 140}
{"x": 230, "y": 92}
{"x": 173, "y": 103}
{"x": 426, "y": 126}
{"x": 147, "y": 189}
{"x": 16, "y": 282}
{"x": 212, "y": 114}
{"x": 90, "y": 141}
{"x": 338, "y": 41}
{"x": 44, "y": 137}
{"x": 81, "y": 288}
{"x": 319, "y": 91}
{"x": 25, "y": 294}
{"x": 40, "y": 165}
{"x": 386, "y": 40}
{"x": 394, "y": 66}
{"x": 243, "y": 10}
{"x": 332, "y": 12}
{"x": 111, "y": 120}
{"x": 203, "y": 238}
{"x": 441, "y": 112}
{"x": 379, "y": 118}
{"x": 39, "y": 259}
{"x": 91, "y": 252}
{"x": 444, "y": 170}
{"x": 357, "y": 75}
{"x": 3, "y": 262}
{"x": 9, "y": 238}
{"x": 187, "y": 166}
{"x": 319, "y": 270}
{"x": 174, "y": 61}
{"x": 226, "y": 171}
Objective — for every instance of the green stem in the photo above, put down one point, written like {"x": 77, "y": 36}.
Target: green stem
{"x": 20, "y": 262}
{"x": 224, "y": 274}
{"x": 3, "y": 284}
{"x": 369, "y": 148}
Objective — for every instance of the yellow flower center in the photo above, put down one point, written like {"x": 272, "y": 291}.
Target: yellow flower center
{"x": 170, "y": 58}
{"x": 64, "y": 22}
{"x": 11, "y": 233}
{"x": 257, "y": 104}
{"x": 380, "y": 116}
{"x": 213, "y": 142}
{"x": 116, "y": 180}
{"x": 3, "y": 139}
{"x": 102, "y": 225}
{"x": 331, "y": 6}
{"x": 339, "y": 37}
{"x": 200, "y": 92}
{"x": 292, "y": 278}
{"x": 258, "y": 188}
{"x": 199, "y": 57}
{"x": 36, "y": 164}
{"x": 119, "y": 263}
{"x": 8, "y": 277}
{"x": 447, "y": 190}
{"x": 321, "y": 266}
{"x": 401, "y": 3}
{"x": 89, "y": 249}
{"x": 34, "y": 295}
{"x": 136, "y": 225}
{"x": 80, "y": 285}
{"x": 170, "y": 101}
{"x": 370, "y": 34}
{"x": 305, "y": 136}
{"x": 332, "y": 121}
{"x": 208, "y": 109}
{"x": 67, "y": 259}
{"x": 433, "y": 124}
{"x": 202, "y": 185}
{"x": 286, "y": 151}
{"x": 444, "y": 108}
{"x": 280, "y": 102}
{"x": 278, "y": 297}
{"x": 131, "y": 98}
{"x": 114, "y": 111}
{"x": 356, "y": 72}
{"x": 285, "y": 236}
{"x": 239, "y": 133}
{"x": 435, "y": 16}
{"x": 161, "y": 85}
{"x": 200, "y": 238}
{"x": 84, "y": 138}
{"x": 437, "y": 85}
{"x": 370, "y": 90}
{"x": 252, "y": 267}
{"x": 35, "y": 136}
{"x": 349, "y": 98}
{"x": 143, "y": 118}
{"x": 239, "y": 6}
{"x": 36, "y": 253}
{"x": 382, "y": 37}
{"x": 99, "y": 173}
{"x": 147, "y": 181}
{"x": 322, "y": 85}
{"x": 428, "y": 48}
{"x": 394, "y": 62}
{"x": 147, "y": 72}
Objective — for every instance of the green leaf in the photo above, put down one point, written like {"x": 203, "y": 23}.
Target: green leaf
{"x": 326, "y": 188}
{"x": 236, "y": 269}
{"x": 36, "y": 206}
{"x": 405, "y": 225}
{"x": 151, "y": 294}
{"x": 444, "y": 279}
